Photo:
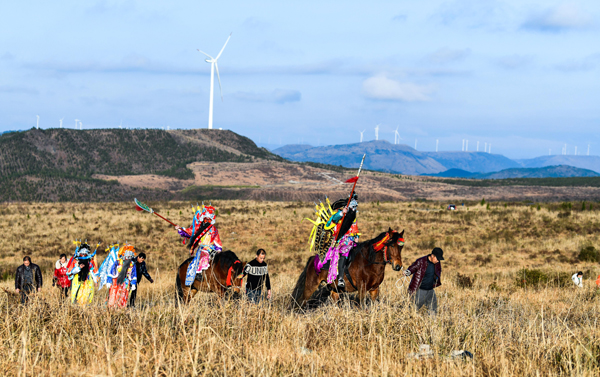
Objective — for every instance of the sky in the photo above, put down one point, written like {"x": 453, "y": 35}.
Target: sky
{"x": 523, "y": 76}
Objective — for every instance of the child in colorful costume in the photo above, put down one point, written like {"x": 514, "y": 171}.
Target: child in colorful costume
{"x": 122, "y": 278}
{"x": 204, "y": 239}
{"x": 82, "y": 275}
{"x": 346, "y": 239}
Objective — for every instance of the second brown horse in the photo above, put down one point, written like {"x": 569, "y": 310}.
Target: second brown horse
{"x": 367, "y": 270}
{"x": 222, "y": 276}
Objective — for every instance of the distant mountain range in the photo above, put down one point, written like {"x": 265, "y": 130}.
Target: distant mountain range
{"x": 402, "y": 159}
{"x": 560, "y": 171}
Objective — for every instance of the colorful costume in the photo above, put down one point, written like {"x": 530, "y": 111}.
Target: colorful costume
{"x": 122, "y": 278}
{"x": 322, "y": 237}
{"x": 83, "y": 278}
{"x": 204, "y": 239}
{"x": 107, "y": 264}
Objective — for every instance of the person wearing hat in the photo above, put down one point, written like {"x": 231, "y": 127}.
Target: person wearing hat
{"x": 426, "y": 272}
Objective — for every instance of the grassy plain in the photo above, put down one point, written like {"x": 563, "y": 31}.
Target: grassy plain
{"x": 546, "y": 330}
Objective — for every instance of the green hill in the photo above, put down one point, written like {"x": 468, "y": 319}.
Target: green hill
{"x": 58, "y": 164}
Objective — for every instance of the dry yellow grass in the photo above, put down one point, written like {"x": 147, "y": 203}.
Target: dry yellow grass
{"x": 511, "y": 331}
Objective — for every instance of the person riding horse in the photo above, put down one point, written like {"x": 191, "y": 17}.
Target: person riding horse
{"x": 346, "y": 239}
{"x": 204, "y": 238}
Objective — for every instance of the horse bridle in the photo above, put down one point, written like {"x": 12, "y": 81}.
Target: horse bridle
{"x": 400, "y": 242}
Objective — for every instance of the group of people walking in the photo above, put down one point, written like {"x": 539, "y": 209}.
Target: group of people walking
{"x": 80, "y": 277}
{"x": 122, "y": 269}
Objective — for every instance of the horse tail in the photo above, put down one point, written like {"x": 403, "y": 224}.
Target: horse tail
{"x": 298, "y": 291}
{"x": 178, "y": 287}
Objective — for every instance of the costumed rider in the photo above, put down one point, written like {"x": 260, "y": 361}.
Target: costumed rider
{"x": 82, "y": 275}
{"x": 346, "y": 239}
{"x": 203, "y": 237}
{"x": 122, "y": 278}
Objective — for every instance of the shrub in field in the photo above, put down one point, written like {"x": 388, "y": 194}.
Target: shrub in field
{"x": 530, "y": 278}
{"x": 464, "y": 281}
{"x": 537, "y": 278}
{"x": 589, "y": 254}
{"x": 562, "y": 215}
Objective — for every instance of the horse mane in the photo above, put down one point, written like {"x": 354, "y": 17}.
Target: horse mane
{"x": 225, "y": 259}
{"x": 367, "y": 244}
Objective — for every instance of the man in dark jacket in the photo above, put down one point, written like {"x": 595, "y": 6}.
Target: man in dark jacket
{"x": 426, "y": 272}
{"x": 140, "y": 267}
{"x": 28, "y": 279}
{"x": 258, "y": 276}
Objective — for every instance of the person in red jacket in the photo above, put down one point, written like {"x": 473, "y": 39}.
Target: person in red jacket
{"x": 60, "y": 278}
{"x": 426, "y": 272}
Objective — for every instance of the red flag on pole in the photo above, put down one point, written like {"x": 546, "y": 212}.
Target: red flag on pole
{"x": 352, "y": 180}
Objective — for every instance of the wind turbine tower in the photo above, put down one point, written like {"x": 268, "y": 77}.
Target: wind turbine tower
{"x": 377, "y": 132}
{"x": 415, "y": 144}
{"x": 60, "y": 120}
{"x": 214, "y": 65}
{"x": 361, "y": 135}
{"x": 397, "y": 136}
{"x": 37, "y": 125}
{"x": 463, "y": 146}
{"x": 477, "y": 145}
{"x": 490, "y": 148}
{"x": 80, "y": 125}
{"x": 76, "y": 123}
{"x": 437, "y": 142}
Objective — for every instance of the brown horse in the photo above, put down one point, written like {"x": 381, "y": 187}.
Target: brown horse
{"x": 222, "y": 276}
{"x": 366, "y": 270}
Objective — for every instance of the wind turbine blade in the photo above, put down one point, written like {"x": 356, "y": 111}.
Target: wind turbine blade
{"x": 205, "y": 54}
{"x": 219, "y": 78}
{"x": 224, "y": 46}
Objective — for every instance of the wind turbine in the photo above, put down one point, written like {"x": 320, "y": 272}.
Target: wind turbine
{"x": 60, "y": 120}
{"x": 415, "y": 144}
{"x": 477, "y": 145}
{"x": 38, "y": 122}
{"x": 76, "y": 123}
{"x": 213, "y": 65}
{"x": 80, "y": 125}
{"x": 361, "y": 135}
{"x": 397, "y": 137}
{"x": 437, "y": 142}
{"x": 377, "y": 132}
{"x": 463, "y": 147}
{"x": 121, "y": 124}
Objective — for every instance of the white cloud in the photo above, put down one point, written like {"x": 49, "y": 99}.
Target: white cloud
{"x": 563, "y": 17}
{"x": 383, "y": 88}
{"x": 277, "y": 96}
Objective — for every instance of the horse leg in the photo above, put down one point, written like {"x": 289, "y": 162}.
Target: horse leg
{"x": 374, "y": 294}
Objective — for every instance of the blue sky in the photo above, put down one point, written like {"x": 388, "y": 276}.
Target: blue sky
{"x": 522, "y": 75}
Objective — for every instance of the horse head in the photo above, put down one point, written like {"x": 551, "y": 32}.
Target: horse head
{"x": 394, "y": 249}
{"x": 237, "y": 273}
